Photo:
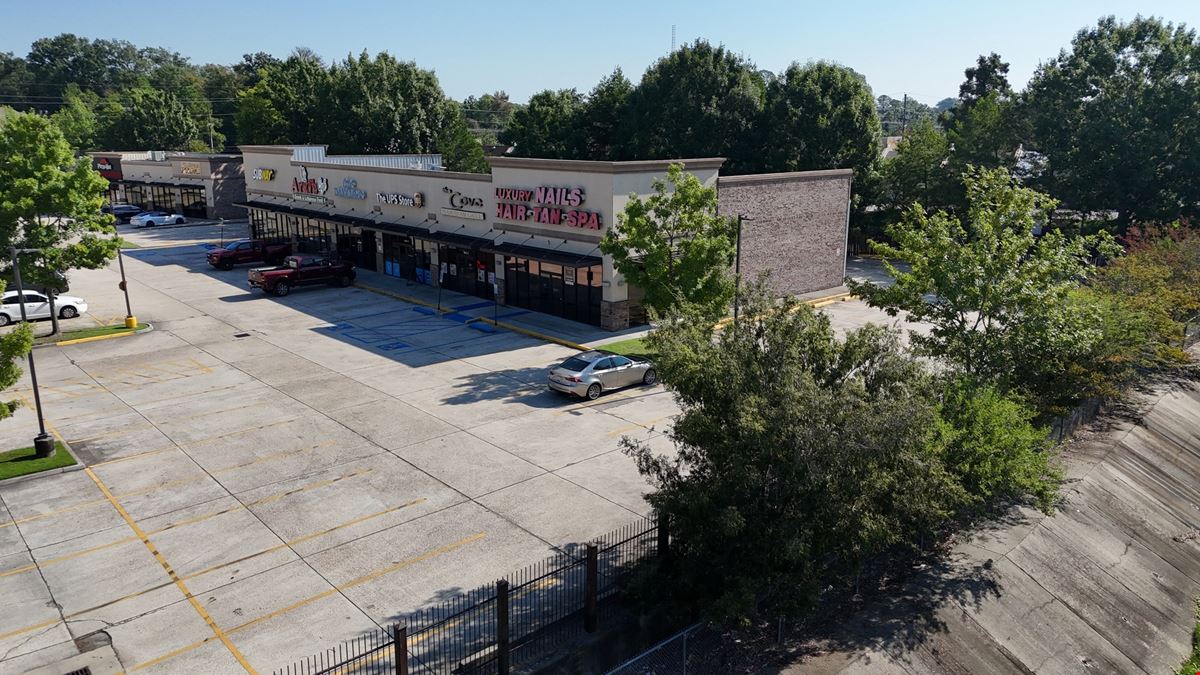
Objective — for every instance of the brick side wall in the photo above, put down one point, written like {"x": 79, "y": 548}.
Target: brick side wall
{"x": 799, "y": 227}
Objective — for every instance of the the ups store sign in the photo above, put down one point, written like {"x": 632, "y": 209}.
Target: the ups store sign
{"x": 109, "y": 167}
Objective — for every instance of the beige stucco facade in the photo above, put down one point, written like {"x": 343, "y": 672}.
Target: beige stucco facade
{"x": 198, "y": 185}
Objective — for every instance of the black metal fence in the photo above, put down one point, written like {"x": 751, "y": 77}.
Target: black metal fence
{"x": 502, "y": 627}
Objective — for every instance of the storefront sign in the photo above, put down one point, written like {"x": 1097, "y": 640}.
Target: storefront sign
{"x": 263, "y": 174}
{"x": 349, "y": 190}
{"x": 459, "y": 213}
{"x": 303, "y": 185}
{"x": 569, "y": 276}
{"x": 190, "y": 169}
{"x": 545, "y": 208}
{"x": 415, "y": 200}
{"x": 110, "y": 169}
{"x": 460, "y": 201}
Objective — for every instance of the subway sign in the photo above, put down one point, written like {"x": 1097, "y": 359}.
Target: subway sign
{"x": 546, "y": 205}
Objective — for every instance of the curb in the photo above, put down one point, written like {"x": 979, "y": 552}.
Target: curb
{"x": 96, "y": 338}
{"x": 498, "y": 324}
{"x": 77, "y": 466}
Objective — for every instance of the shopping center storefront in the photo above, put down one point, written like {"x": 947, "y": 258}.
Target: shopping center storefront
{"x": 525, "y": 235}
{"x": 195, "y": 185}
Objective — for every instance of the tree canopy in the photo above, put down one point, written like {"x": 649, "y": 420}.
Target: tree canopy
{"x": 548, "y": 126}
{"x": 674, "y": 246}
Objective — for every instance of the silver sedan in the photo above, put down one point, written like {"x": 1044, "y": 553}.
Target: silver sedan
{"x": 594, "y": 372}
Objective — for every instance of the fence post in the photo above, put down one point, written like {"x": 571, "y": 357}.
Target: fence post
{"x": 502, "y": 655}
{"x": 400, "y": 645}
{"x": 591, "y": 589}
{"x": 664, "y": 535}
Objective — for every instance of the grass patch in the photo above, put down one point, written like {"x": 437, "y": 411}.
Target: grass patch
{"x": 630, "y": 347}
{"x": 22, "y": 462}
{"x": 125, "y": 243}
{"x": 1192, "y": 665}
{"x": 89, "y": 332}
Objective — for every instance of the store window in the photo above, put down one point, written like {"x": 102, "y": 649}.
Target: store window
{"x": 465, "y": 270}
{"x": 551, "y": 288}
{"x": 135, "y": 193}
{"x": 195, "y": 204}
{"x": 407, "y": 258}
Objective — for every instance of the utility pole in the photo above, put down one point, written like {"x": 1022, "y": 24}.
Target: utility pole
{"x": 904, "y": 117}
{"x": 43, "y": 445}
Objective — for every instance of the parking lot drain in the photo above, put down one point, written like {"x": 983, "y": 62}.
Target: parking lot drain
{"x": 241, "y": 335}
{"x": 82, "y": 671}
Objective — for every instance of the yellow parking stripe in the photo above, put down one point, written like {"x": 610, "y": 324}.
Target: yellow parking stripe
{"x": 322, "y": 595}
{"x": 171, "y": 573}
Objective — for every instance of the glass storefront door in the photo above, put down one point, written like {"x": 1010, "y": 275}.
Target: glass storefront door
{"x": 561, "y": 290}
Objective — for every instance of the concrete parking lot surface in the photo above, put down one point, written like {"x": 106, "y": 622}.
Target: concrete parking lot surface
{"x": 266, "y": 477}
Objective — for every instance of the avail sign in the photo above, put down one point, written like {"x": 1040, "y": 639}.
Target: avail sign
{"x": 545, "y": 206}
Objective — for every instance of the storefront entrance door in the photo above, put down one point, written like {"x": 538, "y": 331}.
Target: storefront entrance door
{"x": 366, "y": 257}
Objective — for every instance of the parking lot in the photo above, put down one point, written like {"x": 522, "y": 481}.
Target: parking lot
{"x": 267, "y": 477}
{"x": 303, "y": 468}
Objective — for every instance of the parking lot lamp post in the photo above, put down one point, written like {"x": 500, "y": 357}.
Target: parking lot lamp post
{"x": 737, "y": 268}
{"x": 130, "y": 319}
{"x": 43, "y": 445}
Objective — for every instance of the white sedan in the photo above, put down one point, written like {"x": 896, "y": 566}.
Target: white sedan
{"x": 154, "y": 218}
{"x": 37, "y": 306}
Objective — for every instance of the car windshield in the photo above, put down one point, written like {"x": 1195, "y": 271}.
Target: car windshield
{"x": 574, "y": 364}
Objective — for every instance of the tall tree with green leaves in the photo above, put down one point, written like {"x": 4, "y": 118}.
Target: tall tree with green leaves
{"x": 698, "y": 101}
{"x": 996, "y": 295}
{"x": 50, "y": 199}
{"x": 380, "y": 104}
{"x": 460, "y": 149}
{"x": 151, "y": 119}
{"x": 675, "y": 247}
{"x": 819, "y": 116}
{"x": 488, "y": 115}
{"x": 603, "y": 122}
{"x": 918, "y": 172}
{"x": 77, "y": 119}
{"x": 1116, "y": 117}
{"x": 548, "y": 127}
{"x": 289, "y": 104}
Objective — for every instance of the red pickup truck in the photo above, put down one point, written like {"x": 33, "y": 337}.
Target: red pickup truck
{"x": 247, "y": 251}
{"x": 301, "y": 270}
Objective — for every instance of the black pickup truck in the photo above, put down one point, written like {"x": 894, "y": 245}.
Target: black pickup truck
{"x": 301, "y": 270}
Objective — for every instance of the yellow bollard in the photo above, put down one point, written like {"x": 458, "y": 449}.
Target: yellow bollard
{"x": 131, "y": 322}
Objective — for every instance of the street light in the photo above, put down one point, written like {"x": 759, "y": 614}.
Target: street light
{"x": 43, "y": 445}
{"x": 130, "y": 319}
{"x": 737, "y": 268}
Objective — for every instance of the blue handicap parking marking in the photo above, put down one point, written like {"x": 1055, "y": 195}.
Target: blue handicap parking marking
{"x": 477, "y": 305}
{"x": 338, "y": 327}
{"x": 391, "y": 346}
{"x": 424, "y": 310}
{"x": 455, "y": 316}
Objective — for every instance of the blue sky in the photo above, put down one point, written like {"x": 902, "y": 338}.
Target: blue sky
{"x": 918, "y": 48}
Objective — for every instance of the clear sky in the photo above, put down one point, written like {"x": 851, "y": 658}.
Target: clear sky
{"x": 919, "y": 48}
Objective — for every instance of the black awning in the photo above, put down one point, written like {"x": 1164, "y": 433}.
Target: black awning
{"x": 455, "y": 239}
{"x": 398, "y": 228}
{"x": 309, "y": 213}
{"x": 560, "y": 257}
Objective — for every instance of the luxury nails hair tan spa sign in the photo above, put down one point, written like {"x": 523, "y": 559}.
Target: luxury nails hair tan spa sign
{"x": 546, "y": 206}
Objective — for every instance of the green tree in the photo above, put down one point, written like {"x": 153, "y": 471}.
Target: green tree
{"x": 549, "y": 126}
{"x": 983, "y": 134}
{"x": 698, "y": 101}
{"x": 381, "y": 105}
{"x": 897, "y": 115}
{"x": 290, "y": 104}
{"x": 15, "y": 79}
{"x": 798, "y": 456}
{"x": 14, "y": 346}
{"x": 252, "y": 66}
{"x": 152, "y": 119}
{"x": 918, "y": 172}
{"x": 819, "y": 116}
{"x": 1116, "y": 119}
{"x": 603, "y": 120}
{"x": 988, "y": 77}
{"x": 674, "y": 246}
{"x": 459, "y": 148}
{"x": 996, "y": 295}
{"x": 257, "y": 121}
{"x": 77, "y": 119}
{"x": 488, "y": 115}
{"x": 50, "y": 199}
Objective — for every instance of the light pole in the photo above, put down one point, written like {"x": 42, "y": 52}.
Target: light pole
{"x": 130, "y": 319}
{"x": 737, "y": 269}
{"x": 43, "y": 445}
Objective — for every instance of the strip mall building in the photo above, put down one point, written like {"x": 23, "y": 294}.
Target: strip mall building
{"x": 197, "y": 185}
{"x": 527, "y": 234}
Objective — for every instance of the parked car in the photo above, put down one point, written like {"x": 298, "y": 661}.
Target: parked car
{"x": 37, "y": 306}
{"x": 301, "y": 270}
{"x": 122, "y": 212}
{"x": 248, "y": 251}
{"x": 594, "y": 372}
{"x": 154, "y": 218}
{"x": 58, "y": 281}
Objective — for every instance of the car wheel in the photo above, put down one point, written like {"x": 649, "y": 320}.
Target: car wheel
{"x": 650, "y": 377}
{"x": 68, "y": 312}
{"x": 4, "y": 319}
{"x": 179, "y": 221}
{"x": 593, "y": 392}
{"x": 283, "y": 288}
{"x": 226, "y": 266}
{"x": 345, "y": 280}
